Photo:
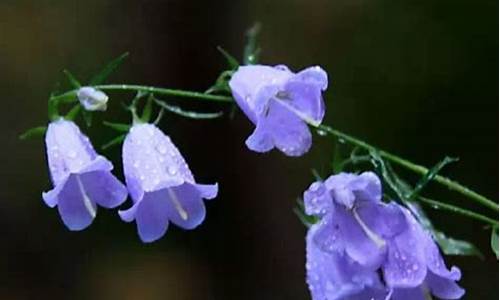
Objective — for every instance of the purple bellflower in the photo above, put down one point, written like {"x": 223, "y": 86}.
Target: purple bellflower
{"x": 161, "y": 185}
{"x": 81, "y": 178}
{"x": 359, "y": 235}
{"x": 280, "y": 103}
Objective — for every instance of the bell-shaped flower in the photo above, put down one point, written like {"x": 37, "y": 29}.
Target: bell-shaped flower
{"x": 280, "y": 103}
{"x": 358, "y": 227}
{"x": 415, "y": 269}
{"x": 335, "y": 276}
{"x": 160, "y": 183}
{"x": 354, "y": 220}
{"x": 81, "y": 178}
{"x": 92, "y": 99}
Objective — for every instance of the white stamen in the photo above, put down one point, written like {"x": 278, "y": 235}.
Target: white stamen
{"x": 371, "y": 235}
{"x": 86, "y": 200}
{"x": 298, "y": 113}
{"x": 177, "y": 204}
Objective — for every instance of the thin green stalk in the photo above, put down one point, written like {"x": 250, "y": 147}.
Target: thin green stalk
{"x": 167, "y": 92}
{"x": 452, "y": 185}
{"x": 458, "y": 210}
{"x": 150, "y": 89}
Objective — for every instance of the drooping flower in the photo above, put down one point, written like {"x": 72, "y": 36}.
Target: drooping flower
{"x": 280, "y": 103}
{"x": 161, "y": 185}
{"x": 81, "y": 178}
{"x": 92, "y": 99}
{"x": 356, "y": 227}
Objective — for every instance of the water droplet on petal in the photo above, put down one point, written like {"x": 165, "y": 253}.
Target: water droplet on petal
{"x": 72, "y": 154}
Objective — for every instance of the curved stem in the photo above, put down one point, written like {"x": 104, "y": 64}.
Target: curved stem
{"x": 452, "y": 185}
{"x": 439, "y": 205}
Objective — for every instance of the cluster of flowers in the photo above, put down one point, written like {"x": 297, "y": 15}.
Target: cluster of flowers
{"x": 362, "y": 248}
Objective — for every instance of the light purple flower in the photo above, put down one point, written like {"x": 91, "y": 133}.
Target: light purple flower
{"x": 81, "y": 178}
{"x": 280, "y": 103}
{"x": 160, "y": 184}
{"x": 92, "y": 99}
{"x": 358, "y": 229}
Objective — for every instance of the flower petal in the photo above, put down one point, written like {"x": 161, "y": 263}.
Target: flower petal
{"x": 313, "y": 75}
{"x": 444, "y": 288}
{"x": 416, "y": 293}
{"x": 128, "y": 215}
{"x": 77, "y": 210}
{"x": 208, "y": 191}
{"x": 406, "y": 265}
{"x": 386, "y": 220}
{"x": 260, "y": 140}
{"x": 435, "y": 261}
{"x": 317, "y": 199}
{"x": 328, "y": 235}
{"x": 289, "y": 133}
{"x": 248, "y": 81}
{"x": 361, "y": 244}
{"x": 102, "y": 187}
{"x": 306, "y": 99}
{"x": 367, "y": 187}
{"x": 151, "y": 216}
{"x": 331, "y": 275}
{"x": 185, "y": 206}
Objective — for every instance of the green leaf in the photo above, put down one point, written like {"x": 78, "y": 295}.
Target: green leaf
{"x": 73, "y": 113}
{"x": 231, "y": 61}
{"x": 148, "y": 108}
{"x": 187, "y": 114}
{"x": 222, "y": 83}
{"x": 430, "y": 175}
{"x": 114, "y": 142}
{"x": 72, "y": 80}
{"x": 117, "y": 126}
{"x": 451, "y": 246}
{"x": 87, "y": 117}
{"x": 251, "y": 52}
{"x": 33, "y": 132}
{"x": 494, "y": 240}
{"x": 108, "y": 69}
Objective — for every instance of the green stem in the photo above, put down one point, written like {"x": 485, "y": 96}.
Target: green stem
{"x": 452, "y": 185}
{"x": 458, "y": 210}
{"x": 163, "y": 91}
{"x": 150, "y": 89}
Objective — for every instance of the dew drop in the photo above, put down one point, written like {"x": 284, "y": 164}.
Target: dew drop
{"x": 72, "y": 154}
{"x": 172, "y": 170}
{"x": 162, "y": 149}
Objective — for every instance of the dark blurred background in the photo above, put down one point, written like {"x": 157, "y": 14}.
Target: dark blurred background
{"x": 418, "y": 78}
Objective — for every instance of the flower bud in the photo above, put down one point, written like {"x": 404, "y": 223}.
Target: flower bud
{"x": 92, "y": 99}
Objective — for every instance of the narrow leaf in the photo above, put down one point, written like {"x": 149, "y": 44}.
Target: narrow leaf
{"x": 451, "y": 246}
{"x": 188, "y": 114}
{"x": 316, "y": 174}
{"x": 71, "y": 115}
{"x": 303, "y": 217}
{"x": 33, "y": 132}
{"x": 108, "y": 69}
{"x": 72, "y": 80}
{"x": 231, "y": 61}
{"x": 146, "y": 112}
{"x": 113, "y": 142}
{"x": 251, "y": 51}
{"x": 87, "y": 117}
{"x": 117, "y": 126}
{"x": 431, "y": 174}
{"x": 494, "y": 240}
